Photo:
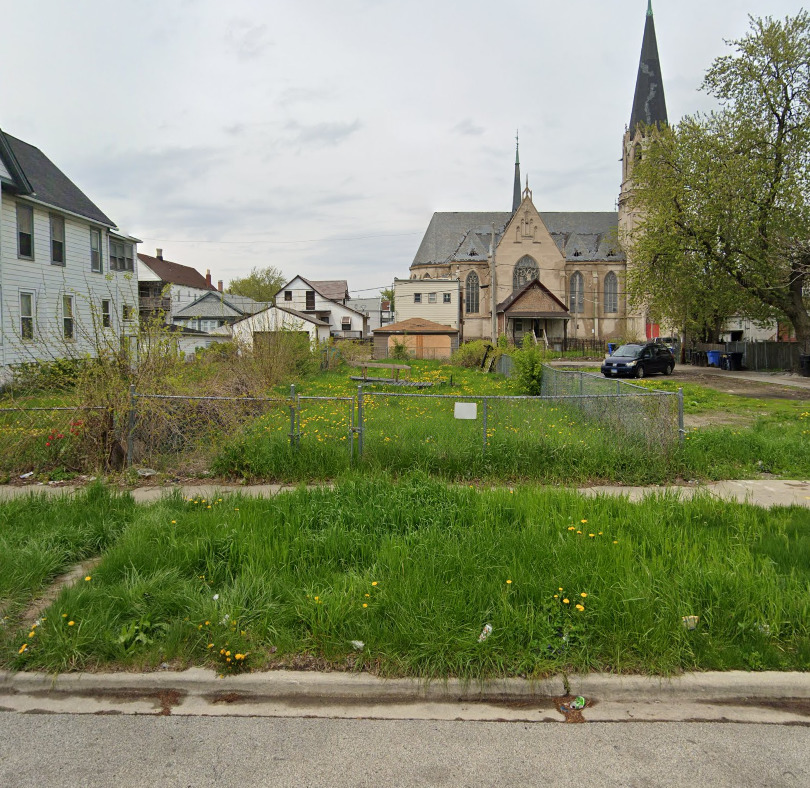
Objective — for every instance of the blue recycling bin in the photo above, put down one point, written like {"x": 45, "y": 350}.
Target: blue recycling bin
{"x": 611, "y": 348}
{"x": 714, "y": 357}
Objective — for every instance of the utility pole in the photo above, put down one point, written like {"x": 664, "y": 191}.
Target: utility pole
{"x": 493, "y": 286}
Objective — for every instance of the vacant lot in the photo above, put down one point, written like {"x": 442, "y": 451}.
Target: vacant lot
{"x": 402, "y": 578}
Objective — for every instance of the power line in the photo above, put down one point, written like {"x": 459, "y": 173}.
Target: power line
{"x": 299, "y": 241}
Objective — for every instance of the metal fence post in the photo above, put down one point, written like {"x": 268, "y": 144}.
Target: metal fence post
{"x": 618, "y": 388}
{"x": 131, "y": 425}
{"x": 351, "y": 434}
{"x": 360, "y": 421}
{"x": 293, "y": 441}
{"x": 485, "y": 425}
{"x": 581, "y": 387}
{"x": 680, "y": 415}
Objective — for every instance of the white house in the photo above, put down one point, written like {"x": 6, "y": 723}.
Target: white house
{"x": 313, "y": 298}
{"x": 165, "y": 287}
{"x": 68, "y": 285}
{"x": 251, "y": 331}
{"x": 435, "y": 299}
{"x": 215, "y": 309}
{"x": 377, "y": 310}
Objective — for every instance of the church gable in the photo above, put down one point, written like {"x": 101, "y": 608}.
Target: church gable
{"x": 533, "y": 299}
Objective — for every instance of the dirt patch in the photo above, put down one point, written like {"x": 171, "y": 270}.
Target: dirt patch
{"x": 718, "y": 419}
{"x": 75, "y": 573}
{"x": 752, "y": 389}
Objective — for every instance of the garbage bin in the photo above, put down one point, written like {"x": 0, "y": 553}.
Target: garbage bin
{"x": 735, "y": 361}
{"x": 804, "y": 365}
{"x": 611, "y": 348}
{"x": 714, "y": 357}
{"x": 725, "y": 362}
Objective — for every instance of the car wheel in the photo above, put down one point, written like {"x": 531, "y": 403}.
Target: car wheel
{"x": 639, "y": 371}
{"x": 668, "y": 369}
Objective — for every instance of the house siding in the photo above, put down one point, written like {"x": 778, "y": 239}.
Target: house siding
{"x": 50, "y": 282}
{"x": 444, "y": 314}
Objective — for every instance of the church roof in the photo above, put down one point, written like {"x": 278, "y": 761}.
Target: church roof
{"x": 649, "y": 104}
{"x": 465, "y": 237}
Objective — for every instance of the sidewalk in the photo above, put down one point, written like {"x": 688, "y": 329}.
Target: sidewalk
{"x": 760, "y": 492}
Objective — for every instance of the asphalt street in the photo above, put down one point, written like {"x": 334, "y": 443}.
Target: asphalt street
{"x": 129, "y": 751}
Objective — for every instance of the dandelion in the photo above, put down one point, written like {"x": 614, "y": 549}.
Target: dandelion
{"x": 71, "y": 623}
{"x": 365, "y": 604}
{"x": 23, "y": 647}
{"x": 571, "y": 528}
{"x": 208, "y": 623}
{"x": 64, "y": 615}
{"x": 580, "y": 608}
{"x": 210, "y": 645}
{"x": 615, "y": 541}
{"x": 579, "y": 532}
{"x": 367, "y": 595}
{"x": 556, "y": 596}
{"x": 174, "y": 522}
{"x": 31, "y": 634}
{"x": 583, "y": 595}
{"x": 87, "y": 579}
{"x": 565, "y": 600}
{"x": 374, "y": 583}
{"x": 583, "y": 521}
{"x": 559, "y": 589}
{"x": 509, "y": 582}
{"x": 227, "y": 653}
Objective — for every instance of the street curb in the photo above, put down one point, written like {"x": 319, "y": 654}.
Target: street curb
{"x": 706, "y": 687}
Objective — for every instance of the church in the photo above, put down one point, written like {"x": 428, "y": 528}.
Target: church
{"x": 556, "y": 275}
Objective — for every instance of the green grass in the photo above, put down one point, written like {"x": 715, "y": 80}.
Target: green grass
{"x": 415, "y": 569}
{"x": 41, "y": 536}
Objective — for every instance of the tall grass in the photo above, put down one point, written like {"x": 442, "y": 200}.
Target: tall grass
{"x": 415, "y": 569}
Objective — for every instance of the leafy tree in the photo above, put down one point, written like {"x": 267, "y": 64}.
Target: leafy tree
{"x": 261, "y": 284}
{"x": 388, "y": 293}
{"x": 723, "y": 198}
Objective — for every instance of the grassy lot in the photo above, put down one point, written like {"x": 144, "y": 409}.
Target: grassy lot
{"x": 416, "y": 569}
{"x": 41, "y": 537}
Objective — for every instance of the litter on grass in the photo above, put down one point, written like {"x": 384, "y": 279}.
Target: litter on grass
{"x": 485, "y": 633}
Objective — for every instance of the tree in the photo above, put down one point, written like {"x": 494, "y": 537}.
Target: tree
{"x": 261, "y": 284}
{"x": 724, "y": 198}
{"x": 388, "y": 294}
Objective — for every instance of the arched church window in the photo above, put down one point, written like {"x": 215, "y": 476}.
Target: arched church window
{"x": 637, "y": 152}
{"x": 576, "y": 301}
{"x": 471, "y": 292}
{"x": 526, "y": 269}
{"x": 611, "y": 292}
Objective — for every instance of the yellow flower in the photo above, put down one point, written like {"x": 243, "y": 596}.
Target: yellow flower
{"x": 222, "y": 651}
{"x": 565, "y": 601}
{"x": 87, "y": 579}
{"x": 583, "y": 521}
{"x": 571, "y": 528}
{"x": 227, "y": 653}
{"x": 556, "y": 596}
{"x": 374, "y": 583}
{"x": 174, "y": 522}
{"x": 580, "y": 608}
{"x": 210, "y": 645}
{"x": 71, "y": 623}
{"x": 64, "y": 615}
{"x": 31, "y": 634}
{"x": 592, "y": 535}
{"x": 365, "y": 604}
{"x": 23, "y": 647}
{"x": 615, "y": 542}
{"x": 508, "y": 582}
{"x": 367, "y": 595}
{"x": 559, "y": 589}
{"x": 579, "y": 532}
{"x": 583, "y": 595}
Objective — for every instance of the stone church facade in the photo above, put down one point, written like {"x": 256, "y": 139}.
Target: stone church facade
{"x": 556, "y": 275}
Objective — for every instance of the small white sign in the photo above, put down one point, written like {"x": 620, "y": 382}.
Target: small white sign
{"x": 466, "y": 410}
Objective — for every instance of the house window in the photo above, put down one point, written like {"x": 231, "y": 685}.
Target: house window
{"x": 431, "y": 298}
{"x": 471, "y": 292}
{"x": 27, "y": 315}
{"x": 417, "y": 298}
{"x": 67, "y": 317}
{"x": 346, "y": 324}
{"x": 57, "y": 240}
{"x": 106, "y": 314}
{"x": 611, "y": 293}
{"x": 518, "y": 325}
{"x": 445, "y": 298}
{"x": 526, "y": 270}
{"x": 310, "y": 299}
{"x": 95, "y": 251}
{"x": 576, "y": 301}
{"x": 121, "y": 256}
{"x": 25, "y": 231}
{"x": 287, "y": 295}
{"x": 126, "y": 312}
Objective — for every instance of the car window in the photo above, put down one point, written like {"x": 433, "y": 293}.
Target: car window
{"x": 628, "y": 351}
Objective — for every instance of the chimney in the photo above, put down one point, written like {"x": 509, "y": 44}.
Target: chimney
{"x": 208, "y": 277}
{"x": 159, "y": 254}
{"x": 219, "y": 285}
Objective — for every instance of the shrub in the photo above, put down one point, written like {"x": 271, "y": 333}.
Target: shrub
{"x": 471, "y": 354}
{"x": 529, "y": 367}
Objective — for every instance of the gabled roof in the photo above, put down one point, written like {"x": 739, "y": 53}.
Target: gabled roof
{"x": 451, "y": 237}
{"x": 300, "y": 315}
{"x": 33, "y": 174}
{"x": 175, "y": 273}
{"x": 511, "y": 300}
{"x": 416, "y": 325}
{"x": 216, "y": 304}
{"x": 333, "y": 289}
{"x": 314, "y": 285}
{"x": 649, "y": 104}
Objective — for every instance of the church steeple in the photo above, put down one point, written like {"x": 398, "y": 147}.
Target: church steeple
{"x": 649, "y": 104}
{"x": 516, "y": 189}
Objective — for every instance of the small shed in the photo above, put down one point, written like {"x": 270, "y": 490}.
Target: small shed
{"x": 423, "y": 338}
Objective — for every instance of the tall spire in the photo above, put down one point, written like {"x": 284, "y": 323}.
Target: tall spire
{"x": 516, "y": 189}
{"x": 649, "y": 104}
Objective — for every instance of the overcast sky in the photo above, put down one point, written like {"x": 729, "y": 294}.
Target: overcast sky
{"x": 319, "y": 137}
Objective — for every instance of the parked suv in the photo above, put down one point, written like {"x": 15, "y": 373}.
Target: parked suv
{"x": 638, "y": 361}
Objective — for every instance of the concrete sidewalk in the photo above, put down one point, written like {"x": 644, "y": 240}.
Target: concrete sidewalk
{"x": 760, "y": 492}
